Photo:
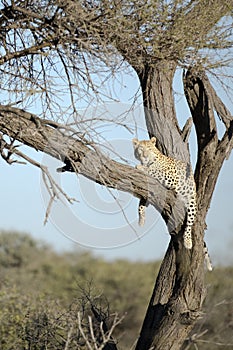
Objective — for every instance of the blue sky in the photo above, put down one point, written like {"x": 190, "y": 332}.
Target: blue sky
{"x": 97, "y": 221}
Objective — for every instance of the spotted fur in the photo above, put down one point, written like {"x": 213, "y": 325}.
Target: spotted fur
{"x": 173, "y": 174}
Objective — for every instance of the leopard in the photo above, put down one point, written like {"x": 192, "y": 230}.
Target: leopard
{"x": 173, "y": 174}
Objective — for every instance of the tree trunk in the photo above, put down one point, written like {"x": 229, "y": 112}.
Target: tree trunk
{"x": 156, "y": 83}
{"x": 179, "y": 291}
{"x": 174, "y": 306}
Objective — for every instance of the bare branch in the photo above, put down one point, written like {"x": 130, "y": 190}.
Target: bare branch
{"x": 80, "y": 327}
{"x": 216, "y": 103}
{"x": 54, "y": 190}
{"x": 187, "y": 129}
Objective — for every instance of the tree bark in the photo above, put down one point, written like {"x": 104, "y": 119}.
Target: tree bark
{"x": 156, "y": 82}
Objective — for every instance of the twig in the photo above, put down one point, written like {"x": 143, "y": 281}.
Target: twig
{"x": 69, "y": 337}
{"x": 83, "y": 333}
{"x": 51, "y": 185}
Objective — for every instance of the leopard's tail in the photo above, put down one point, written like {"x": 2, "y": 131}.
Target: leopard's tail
{"x": 207, "y": 258}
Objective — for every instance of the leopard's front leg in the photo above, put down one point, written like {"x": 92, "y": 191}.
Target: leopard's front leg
{"x": 142, "y": 203}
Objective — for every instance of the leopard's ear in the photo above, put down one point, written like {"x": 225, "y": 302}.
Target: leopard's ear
{"x": 135, "y": 141}
{"x": 153, "y": 139}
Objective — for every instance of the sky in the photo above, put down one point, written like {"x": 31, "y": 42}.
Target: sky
{"x": 96, "y": 221}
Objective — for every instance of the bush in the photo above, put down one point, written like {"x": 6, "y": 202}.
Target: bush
{"x": 46, "y": 297}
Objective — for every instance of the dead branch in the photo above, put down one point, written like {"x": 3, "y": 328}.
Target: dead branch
{"x": 54, "y": 190}
{"x": 90, "y": 335}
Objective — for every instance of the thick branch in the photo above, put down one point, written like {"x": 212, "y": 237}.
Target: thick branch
{"x": 33, "y": 50}
{"x": 216, "y": 103}
{"x": 203, "y": 100}
{"x": 89, "y": 161}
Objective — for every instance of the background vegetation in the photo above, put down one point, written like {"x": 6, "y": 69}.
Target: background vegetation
{"x": 43, "y": 295}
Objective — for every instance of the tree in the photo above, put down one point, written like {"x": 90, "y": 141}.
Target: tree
{"x": 72, "y": 40}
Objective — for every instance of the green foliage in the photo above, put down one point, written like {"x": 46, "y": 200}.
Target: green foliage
{"x": 43, "y": 294}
